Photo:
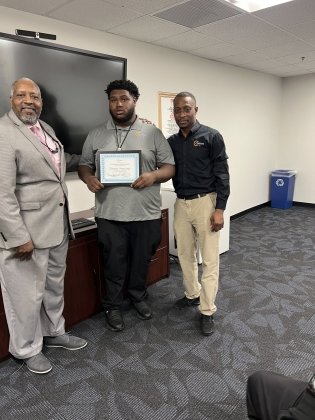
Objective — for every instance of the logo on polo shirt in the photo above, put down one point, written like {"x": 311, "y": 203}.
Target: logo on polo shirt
{"x": 197, "y": 143}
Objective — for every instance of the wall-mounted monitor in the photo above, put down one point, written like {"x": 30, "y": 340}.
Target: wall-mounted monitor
{"x": 72, "y": 82}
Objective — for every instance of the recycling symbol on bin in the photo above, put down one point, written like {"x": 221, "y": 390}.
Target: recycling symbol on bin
{"x": 280, "y": 182}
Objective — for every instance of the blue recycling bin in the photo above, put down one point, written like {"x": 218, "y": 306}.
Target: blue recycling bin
{"x": 282, "y": 188}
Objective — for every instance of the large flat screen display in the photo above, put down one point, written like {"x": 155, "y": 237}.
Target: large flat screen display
{"x": 72, "y": 83}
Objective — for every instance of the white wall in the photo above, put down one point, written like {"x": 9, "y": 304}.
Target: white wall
{"x": 297, "y": 140}
{"x": 244, "y": 105}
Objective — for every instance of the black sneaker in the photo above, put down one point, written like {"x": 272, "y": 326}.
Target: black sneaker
{"x": 114, "y": 319}
{"x": 143, "y": 310}
{"x": 185, "y": 302}
{"x": 206, "y": 324}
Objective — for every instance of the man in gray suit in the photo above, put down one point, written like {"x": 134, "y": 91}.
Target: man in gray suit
{"x": 34, "y": 230}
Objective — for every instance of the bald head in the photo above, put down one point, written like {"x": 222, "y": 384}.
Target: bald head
{"x": 23, "y": 79}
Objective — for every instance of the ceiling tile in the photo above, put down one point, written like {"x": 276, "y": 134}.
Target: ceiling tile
{"x": 310, "y": 65}
{"x": 274, "y": 38}
{"x": 235, "y": 27}
{"x": 305, "y": 31}
{"x": 218, "y": 51}
{"x": 94, "y": 14}
{"x": 187, "y": 41}
{"x": 245, "y": 58}
{"x": 297, "y": 58}
{"x": 297, "y": 47}
{"x": 265, "y": 63}
{"x": 284, "y": 71}
{"x": 289, "y": 14}
{"x": 148, "y": 29}
{"x": 38, "y": 7}
{"x": 263, "y": 40}
{"x": 145, "y": 6}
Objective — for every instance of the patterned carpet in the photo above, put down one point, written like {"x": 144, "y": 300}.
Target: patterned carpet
{"x": 163, "y": 369}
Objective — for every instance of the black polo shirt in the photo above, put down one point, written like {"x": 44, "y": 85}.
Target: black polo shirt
{"x": 201, "y": 163}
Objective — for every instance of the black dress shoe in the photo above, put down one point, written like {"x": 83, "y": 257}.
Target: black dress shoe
{"x": 143, "y": 310}
{"x": 114, "y": 319}
{"x": 206, "y": 324}
{"x": 185, "y": 302}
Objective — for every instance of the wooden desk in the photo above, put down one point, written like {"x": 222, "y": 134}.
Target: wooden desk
{"x": 83, "y": 279}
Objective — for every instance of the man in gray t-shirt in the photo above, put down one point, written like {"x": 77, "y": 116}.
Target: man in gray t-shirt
{"x": 128, "y": 217}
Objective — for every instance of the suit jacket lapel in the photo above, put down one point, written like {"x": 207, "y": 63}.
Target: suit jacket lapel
{"x": 37, "y": 144}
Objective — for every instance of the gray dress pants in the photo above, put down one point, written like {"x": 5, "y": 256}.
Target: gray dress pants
{"x": 33, "y": 296}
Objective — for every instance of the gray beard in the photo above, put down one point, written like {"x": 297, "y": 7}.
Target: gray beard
{"x": 29, "y": 119}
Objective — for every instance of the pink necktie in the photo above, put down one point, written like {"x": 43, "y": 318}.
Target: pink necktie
{"x": 37, "y": 132}
{"x": 47, "y": 142}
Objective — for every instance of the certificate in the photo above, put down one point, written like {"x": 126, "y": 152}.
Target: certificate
{"x": 167, "y": 121}
{"x": 119, "y": 168}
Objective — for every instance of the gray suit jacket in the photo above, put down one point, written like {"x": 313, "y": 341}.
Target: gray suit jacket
{"x": 32, "y": 195}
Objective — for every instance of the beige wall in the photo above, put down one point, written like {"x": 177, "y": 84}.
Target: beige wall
{"x": 244, "y": 105}
{"x": 296, "y": 148}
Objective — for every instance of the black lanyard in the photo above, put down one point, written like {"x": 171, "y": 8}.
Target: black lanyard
{"x": 44, "y": 141}
{"x": 119, "y": 145}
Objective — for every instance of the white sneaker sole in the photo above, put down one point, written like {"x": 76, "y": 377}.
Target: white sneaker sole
{"x": 64, "y": 347}
{"x": 39, "y": 372}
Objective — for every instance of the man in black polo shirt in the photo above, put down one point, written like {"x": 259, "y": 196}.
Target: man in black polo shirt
{"x": 201, "y": 183}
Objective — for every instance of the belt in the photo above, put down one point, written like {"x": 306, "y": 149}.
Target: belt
{"x": 191, "y": 197}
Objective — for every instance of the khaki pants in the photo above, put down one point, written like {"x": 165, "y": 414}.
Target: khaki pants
{"x": 192, "y": 228}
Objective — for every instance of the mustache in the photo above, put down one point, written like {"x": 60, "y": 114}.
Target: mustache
{"x": 29, "y": 107}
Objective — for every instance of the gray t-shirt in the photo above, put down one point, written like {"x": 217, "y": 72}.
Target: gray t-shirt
{"x": 123, "y": 203}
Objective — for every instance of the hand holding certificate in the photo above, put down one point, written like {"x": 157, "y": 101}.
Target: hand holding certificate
{"x": 119, "y": 168}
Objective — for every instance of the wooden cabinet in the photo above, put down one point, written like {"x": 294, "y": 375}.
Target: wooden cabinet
{"x": 159, "y": 267}
{"x": 83, "y": 279}
{"x": 4, "y": 333}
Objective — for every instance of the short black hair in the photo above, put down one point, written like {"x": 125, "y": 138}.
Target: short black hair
{"x": 184, "y": 95}
{"x": 124, "y": 85}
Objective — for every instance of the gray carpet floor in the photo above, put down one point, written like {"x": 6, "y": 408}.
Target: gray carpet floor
{"x": 163, "y": 369}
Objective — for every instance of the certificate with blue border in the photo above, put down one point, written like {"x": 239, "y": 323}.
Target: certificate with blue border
{"x": 119, "y": 167}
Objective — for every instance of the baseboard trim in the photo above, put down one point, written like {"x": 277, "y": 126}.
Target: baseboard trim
{"x": 268, "y": 204}
{"x": 301, "y": 204}
{"x": 242, "y": 213}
